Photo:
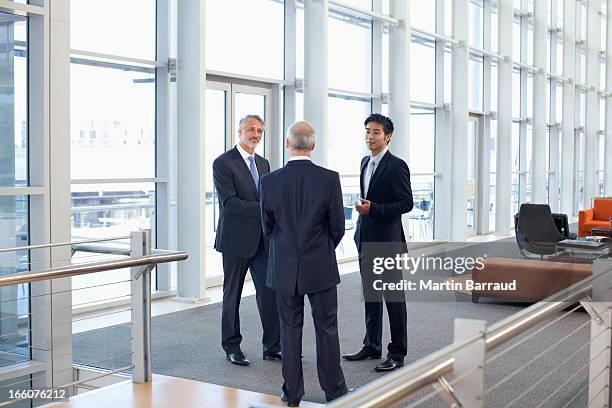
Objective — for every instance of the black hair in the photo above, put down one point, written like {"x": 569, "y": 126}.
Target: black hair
{"x": 381, "y": 120}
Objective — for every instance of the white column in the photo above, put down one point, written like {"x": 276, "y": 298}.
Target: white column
{"x": 162, "y": 142}
{"x": 538, "y": 151}
{"x": 59, "y": 188}
{"x": 399, "y": 78}
{"x": 40, "y": 205}
{"x": 315, "y": 74}
{"x": 569, "y": 94}
{"x": 377, "y": 34}
{"x": 591, "y": 179}
{"x": 459, "y": 122}
{"x": 191, "y": 84}
{"x": 442, "y": 151}
{"x": 289, "y": 91}
{"x": 399, "y": 83}
{"x": 608, "y": 136}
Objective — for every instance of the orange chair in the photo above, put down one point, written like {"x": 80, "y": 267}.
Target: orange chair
{"x": 596, "y": 217}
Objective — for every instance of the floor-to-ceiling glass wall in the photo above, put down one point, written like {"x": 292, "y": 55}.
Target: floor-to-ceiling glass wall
{"x": 14, "y": 207}
{"x": 112, "y": 126}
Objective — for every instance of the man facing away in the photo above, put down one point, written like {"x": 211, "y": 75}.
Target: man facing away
{"x": 302, "y": 214}
{"x": 387, "y": 194}
{"x": 239, "y": 238}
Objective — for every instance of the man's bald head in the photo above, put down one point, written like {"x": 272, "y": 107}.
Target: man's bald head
{"x": 301, "y": 136}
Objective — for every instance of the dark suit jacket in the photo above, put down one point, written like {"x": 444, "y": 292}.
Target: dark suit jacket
{"x": 239, "y": 228}
{"x": 391, "y": 196}
{"x": 303, "y": 215}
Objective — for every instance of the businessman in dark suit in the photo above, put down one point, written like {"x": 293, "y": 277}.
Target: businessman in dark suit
{"x": 387, "y": 194}
{"x": 240, "y": 240}
{"x": 302, "y": 214}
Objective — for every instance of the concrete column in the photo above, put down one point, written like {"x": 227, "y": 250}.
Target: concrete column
{"x": 569, "y": 95}
{"x": 459, "y": 122}
{"x": 591, "y": 179}
{"x": 289, "y": 91}
{"x": 608, "y": 88}
{"x": 538, "y": 150}
{"x": 315, "y": 74}
{"x": 442, "y": 153}
{"x": 191, "y": 85}
{"x": 399, "y": 78}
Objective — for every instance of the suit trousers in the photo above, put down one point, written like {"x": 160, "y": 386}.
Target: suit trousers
{"x": 396, "y": 309}
{"x": 234, "y": 272}
{"x": 324, "y": 306}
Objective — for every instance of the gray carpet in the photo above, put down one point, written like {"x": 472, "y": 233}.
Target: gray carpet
{"x": 187, "y": 344}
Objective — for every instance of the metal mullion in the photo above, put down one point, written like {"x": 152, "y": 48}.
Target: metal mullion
{"x": 365, "y": 12}
{"x": 128, "y": 60}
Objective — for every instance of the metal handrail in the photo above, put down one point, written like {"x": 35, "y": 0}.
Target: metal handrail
{"x": 397, "y": 386}
{"x": 157, "y": 257}
{"x": 40, "y": 246}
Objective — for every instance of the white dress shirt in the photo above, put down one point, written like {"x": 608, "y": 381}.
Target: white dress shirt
{"x": 245, "y": 156}
{"x": 370, "y": 169}
{"x": 299, "y": 158}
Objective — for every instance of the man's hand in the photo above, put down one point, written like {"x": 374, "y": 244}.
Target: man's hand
{"x": 363, "y": 206}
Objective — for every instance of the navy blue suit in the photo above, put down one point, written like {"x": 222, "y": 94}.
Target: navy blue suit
{"x": 240, "y": 240}
{"x": 391, "y": 195}
{"x": 302, "y": 215}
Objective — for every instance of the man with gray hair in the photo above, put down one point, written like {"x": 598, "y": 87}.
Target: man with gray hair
{"x": 239, "y": 238}
{"x": 303, "y": 216}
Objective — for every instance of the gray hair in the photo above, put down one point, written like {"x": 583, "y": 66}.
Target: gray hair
{"x": 301, "y": 136}
{"x": 247, "y": 118}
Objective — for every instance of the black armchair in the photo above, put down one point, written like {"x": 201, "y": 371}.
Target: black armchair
{"x": 537, "y": 231}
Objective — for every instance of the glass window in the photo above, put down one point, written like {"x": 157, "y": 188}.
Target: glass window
{"x": 530, "y": 47}
{"x": 516, "y": 41}
{"x": 448, "y": 18}
{"x": 299, "y": 43}
{"x": 90, "y": 29}
{"x": 529, "y": 96}
{"x": 422, "y": 141}
{"x": 476, "y": 24}
{"x": 494, "y": 31}
{"x": 423, "y": 15}
{"x": 448, "y": 60}
{"x": 112, "y": 120}
{"x": 346, "y": 133}
{"x": 423, "y": 70}
{"x": 112, "y": 209}
{"x": 559, "y": 103}
{"x": 476, "y": 79}
{"x": 14, "y": 107}
{"x": 385, "y": 63}
{"x": 350, "y": 55}
{"x": 516, "y": 94}
{"x": 346, "y": 149}
{"x": 245, "y": 37}
{"x": 14, "y": 313}
{"x": 494, "y": 87}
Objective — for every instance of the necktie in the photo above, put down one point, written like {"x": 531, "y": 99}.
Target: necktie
{"x": 368, "y": 177}
{"x": 253, "y": 171}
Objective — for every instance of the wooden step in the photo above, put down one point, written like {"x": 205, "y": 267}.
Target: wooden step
{"x": 171, "y": 392}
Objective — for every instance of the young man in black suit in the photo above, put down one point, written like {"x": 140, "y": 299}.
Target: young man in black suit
{"x": 239, "y": 238}
{"x": 303, "y": 215}
{"x": 386, "y": 194}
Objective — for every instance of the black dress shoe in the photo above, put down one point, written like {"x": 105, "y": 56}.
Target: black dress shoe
{"x": 365, "y": 352}
{"x": 389, "y": 365}
{"x": 285, "y": 399}
{"x": 272, "y": 356}
{"x": 238, "y": 358}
